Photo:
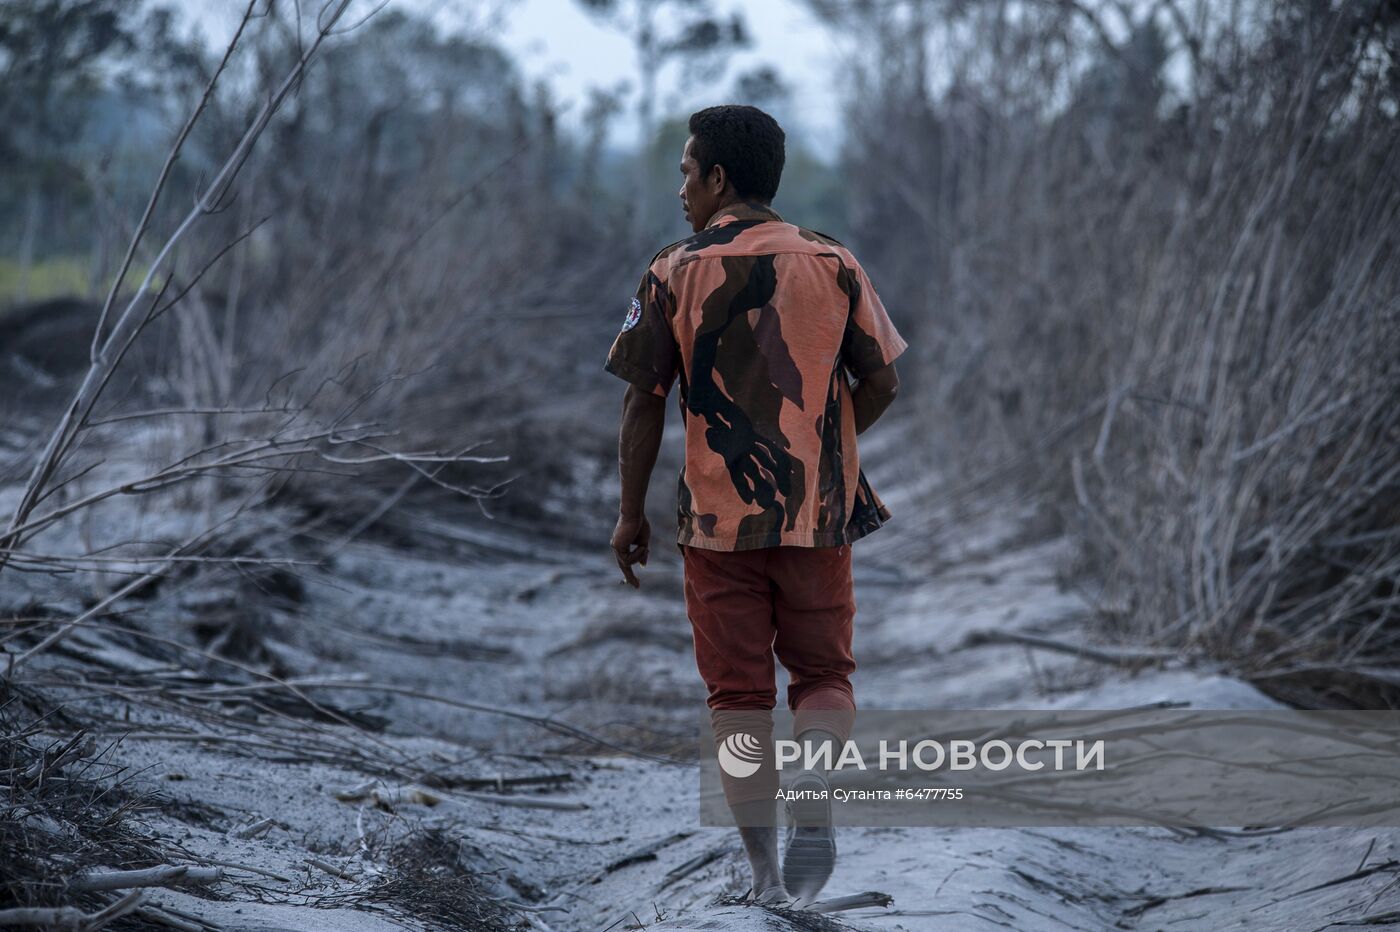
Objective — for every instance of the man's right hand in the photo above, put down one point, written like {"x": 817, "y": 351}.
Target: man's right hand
{"x": 631, "y": 544}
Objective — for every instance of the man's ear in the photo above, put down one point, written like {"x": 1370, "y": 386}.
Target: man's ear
{"x": 719, "y": 178}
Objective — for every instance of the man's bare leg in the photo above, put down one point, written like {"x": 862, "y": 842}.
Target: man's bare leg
{"x": 758, "y": 830}
{"x": 810, "y": 854}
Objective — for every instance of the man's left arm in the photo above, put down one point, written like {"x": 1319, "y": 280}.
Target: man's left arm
{"x": 873, "y": 394}
{"x": 870, "y": 347}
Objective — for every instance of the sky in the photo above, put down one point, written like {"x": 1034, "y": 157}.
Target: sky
{"x": 555, "y": 41}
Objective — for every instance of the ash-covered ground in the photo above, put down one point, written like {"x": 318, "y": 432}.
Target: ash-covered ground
{"x": 460, "y": 722}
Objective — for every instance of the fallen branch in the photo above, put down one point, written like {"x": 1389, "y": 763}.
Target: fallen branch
{"x": 166, "y": 875}
{"x": 528, "y": 802}
{"x": 646, "y": 852}
{"x": 1120, "y": 656}
{"x": 244, "y": 867}
{"x": 170, "y": 918}
{"x": 1389, "y": 917}
{"x": 542, "y": 721}
{"x": 332, "y": 869}
{"x": 386, "y": 797}
{"x": 260, "y": 827}
{"x": 681, "y": 871}
{"x": 1358, "y": 874}
{"x": 70, "y": 917}
{"x": 526, "y": 907}
{"x": 80, "y": 745}
{"x": 852, "y": 901}
{"x": 1155, "y": 901}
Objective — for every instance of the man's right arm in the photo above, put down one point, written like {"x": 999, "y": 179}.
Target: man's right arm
{"x": 873, "y": 394}
{"x": 645, "y": 355}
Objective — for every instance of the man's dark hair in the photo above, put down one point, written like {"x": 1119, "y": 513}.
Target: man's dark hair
{"x": 746, "y": 141}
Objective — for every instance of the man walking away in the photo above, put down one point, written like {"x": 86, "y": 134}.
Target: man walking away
{"x": 784, "y": 354}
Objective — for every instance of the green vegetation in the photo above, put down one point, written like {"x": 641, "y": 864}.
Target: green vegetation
{"x": 55, "y": 277}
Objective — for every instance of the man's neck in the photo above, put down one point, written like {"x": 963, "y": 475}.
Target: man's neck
{"x": 743, "y": 209}
{"x": 728, "y": 205}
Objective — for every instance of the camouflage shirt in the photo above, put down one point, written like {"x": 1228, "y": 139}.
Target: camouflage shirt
{"x": 761, "y": 320}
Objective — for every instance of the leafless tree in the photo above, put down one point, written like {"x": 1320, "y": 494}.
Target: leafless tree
{"x": 1148, "y": 251}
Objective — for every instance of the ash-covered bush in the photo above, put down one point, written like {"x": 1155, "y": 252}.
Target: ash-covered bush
{"x": 64, "y": 809}
{"x": 1149, "y": 262}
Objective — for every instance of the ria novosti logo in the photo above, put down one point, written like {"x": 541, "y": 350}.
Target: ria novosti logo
{"x": 740, "y": 755}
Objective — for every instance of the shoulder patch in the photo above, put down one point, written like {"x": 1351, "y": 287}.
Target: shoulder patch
{"x": 634, "y": 314}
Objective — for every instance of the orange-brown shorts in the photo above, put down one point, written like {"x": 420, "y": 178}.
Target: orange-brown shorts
{"x": 797, "y": 603}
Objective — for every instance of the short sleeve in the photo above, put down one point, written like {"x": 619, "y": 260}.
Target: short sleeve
{"x": 871, "y": 340}
{"x": 645, "y": 352}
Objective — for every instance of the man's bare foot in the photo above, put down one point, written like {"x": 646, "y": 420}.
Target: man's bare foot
{"x": 810, "y": 853}
{"x": 775, "y": 895}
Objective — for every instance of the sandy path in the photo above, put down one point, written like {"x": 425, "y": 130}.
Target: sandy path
{"x": 483, "y": 614}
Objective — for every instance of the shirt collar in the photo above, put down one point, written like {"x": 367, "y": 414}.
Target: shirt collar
{"x": 743, "y": 210}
